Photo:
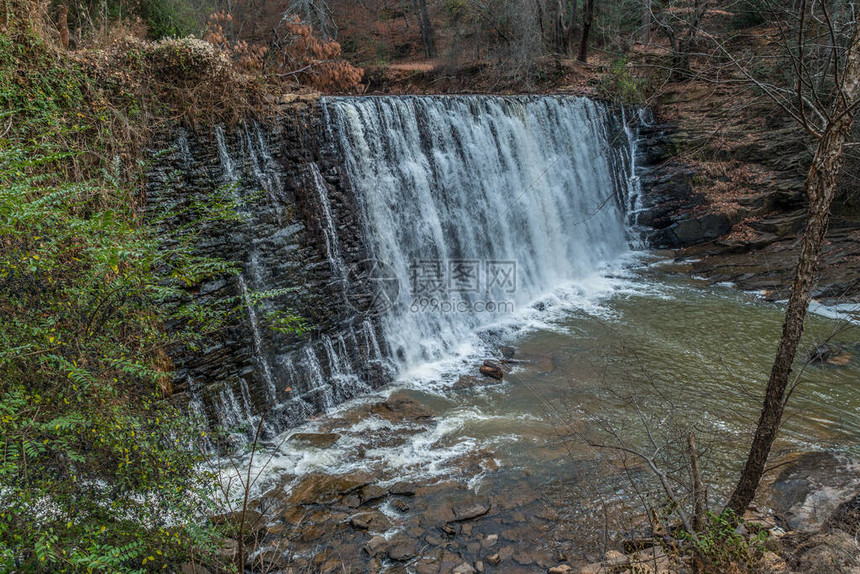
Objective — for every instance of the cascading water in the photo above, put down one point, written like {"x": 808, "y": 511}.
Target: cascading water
{"x": 480, "y": 204}
{"x": 327, "y": 220}
{"x": 258, "y": 340}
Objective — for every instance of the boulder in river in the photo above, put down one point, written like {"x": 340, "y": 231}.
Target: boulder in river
{"x": 316, "y": 439}
{"x": 372, "y": 520}
{"x": 323, "y": 488}
{"x": 371, "y": 493}
{"x": 492, "y": 369}
{"x": 402, "y": 488}
{"x": 469, "y": 510}
{"x": 400, "y": 406}
{"x": 820, "y": 354}
{"x": 402, "y": 549}
{"x": 828, "y": 354}
{"x": 469, "y": 381}
{"x": 376, "y": 545}
{"x": 811, "y": 488}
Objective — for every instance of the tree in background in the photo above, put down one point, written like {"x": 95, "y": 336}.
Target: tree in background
{"x": 565, "y": 26}
{"x": 161, "y": 18}
{"x": 680, "y": 21}
{"x": 645, "y": 29}
{"x": 249, "y": 57}
{"x": 315, "y": 13}
{"x": 425, "y": 27}
{"x": 290, "y": 48}
{"x": 587, "y": 18}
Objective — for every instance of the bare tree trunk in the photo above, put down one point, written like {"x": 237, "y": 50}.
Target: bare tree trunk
{"x": 698, "y": 488}
{"x": 63, "y": 25}
{"x": 539, "y": 12}
{"x": 587, "y": 16}
{"x": 820, "y": 189}
{"x": 425, "y": 27}
{"x": 645, "y": 31}
{"x": 565, "y": 25}
{"x": 680, "y": 64}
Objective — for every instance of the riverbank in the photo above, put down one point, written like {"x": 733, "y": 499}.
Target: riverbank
{"x": 726, "y": 194}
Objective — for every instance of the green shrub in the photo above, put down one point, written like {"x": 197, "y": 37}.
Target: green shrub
{"x": 621, "y": 85}
{"x": 99, "y": 472}
{"x": 723, "y": 543}
{"x": 170, "y": 18}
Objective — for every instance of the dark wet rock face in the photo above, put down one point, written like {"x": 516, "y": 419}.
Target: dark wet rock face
{"x": 767, "y": 264}
{"x": 293, "y": 202}
{"x": 666, "y": 193}
{"x": 748, "y": 236}
{"x": 693, "y": 229}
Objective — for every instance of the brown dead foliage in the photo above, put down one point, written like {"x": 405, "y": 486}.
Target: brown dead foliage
{"x": 314, "y": 60}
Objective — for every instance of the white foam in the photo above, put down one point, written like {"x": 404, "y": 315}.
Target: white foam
{"x": 848, "y": 312}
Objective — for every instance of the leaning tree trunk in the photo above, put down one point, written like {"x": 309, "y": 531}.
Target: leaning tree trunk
{"x": 820, "y": 189}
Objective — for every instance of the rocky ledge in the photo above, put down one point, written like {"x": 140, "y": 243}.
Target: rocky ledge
{"x": 738, "y": 217}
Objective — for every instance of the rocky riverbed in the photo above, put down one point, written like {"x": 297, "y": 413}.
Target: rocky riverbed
{"x": 360, "y": 521}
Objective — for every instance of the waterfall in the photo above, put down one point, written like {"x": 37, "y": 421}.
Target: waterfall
{"x": 263, "y": 165}
{"x": 227, "y": 164}
{"x": 329, "y": 232}
{"x": 460, "y": 210}
{"x": 256, "y": 331}
{"x": 482, "y": 204}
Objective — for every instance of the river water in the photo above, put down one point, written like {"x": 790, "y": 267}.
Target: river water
{"x": 607, "y": 360}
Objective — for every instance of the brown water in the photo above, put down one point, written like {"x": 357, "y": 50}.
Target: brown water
{"x": 673, "y": 357}
{"x": 662, "y": 354}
